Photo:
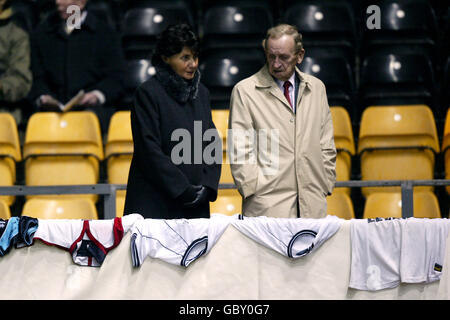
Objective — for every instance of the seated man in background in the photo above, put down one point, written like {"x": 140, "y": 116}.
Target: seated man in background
{"x": 15, "y": 73}
{"x": 68, "y": 56}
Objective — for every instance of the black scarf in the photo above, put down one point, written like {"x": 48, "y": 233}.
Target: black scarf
{"x": 177, "y": 87}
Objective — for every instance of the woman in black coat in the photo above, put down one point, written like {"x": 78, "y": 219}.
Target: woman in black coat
{"x": 175, "y": 168}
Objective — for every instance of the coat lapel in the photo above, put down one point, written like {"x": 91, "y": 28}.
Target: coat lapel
{"x": 266, "y": 82}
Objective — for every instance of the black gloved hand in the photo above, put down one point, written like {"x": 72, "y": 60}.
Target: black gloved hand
{"x": 201, "y": 197}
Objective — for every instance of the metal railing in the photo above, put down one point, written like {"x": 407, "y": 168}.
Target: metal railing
{"x": 108, "y": 191}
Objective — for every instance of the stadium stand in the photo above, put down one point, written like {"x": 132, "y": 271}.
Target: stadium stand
{"x": 237, "y": 24}
{"x": 10, "y": 153}
{"x": 60, "y": 209}
{"x": 340, "y": 204}
{"x": 229, "y": 202}
{"x": 222, "y": 69}
{"x": 329, "y": 24}
{"x": 345, "y": 145}
{"x": 118, "y": 154}
{"x": 63, "y": 149}
{"x": 386, "y": 205}
{"x": 5, "y": 212}
{"x": 397, "y": 143}
{"x": 144, "y": 21}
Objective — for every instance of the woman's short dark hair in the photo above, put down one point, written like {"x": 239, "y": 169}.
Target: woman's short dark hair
{"x": 172, "y": 40}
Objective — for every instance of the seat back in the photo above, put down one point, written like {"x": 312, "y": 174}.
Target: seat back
{"x": 63, "y": 149}
{"x": 340, "y": 204}
{"x": 337, "y": 75}
{"x": 142, "y": 25}
{"x": 397, "y": 143}
{"x": 119, "y": 147}
{"x": 220, "y": 119}
{"x": 10, "y": 152}
{"x": 398, "y": 126}
{"x": 137, "y": 71}
{"x": 5, "y": 212}
{"x": 446, "y": 148}
{"x": 345, "y": 145}
{"x": 73, "y": 132}
{"x": 229, "y": 202}
{"x": 221, "y": 70}
{"x": 60, "y": 209}
{"x": 235, "y": 25}
{"x": 386, "y": 205}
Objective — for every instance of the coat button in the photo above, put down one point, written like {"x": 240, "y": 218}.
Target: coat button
{"x": 292, "y": 120}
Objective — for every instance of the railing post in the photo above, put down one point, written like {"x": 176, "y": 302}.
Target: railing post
{"x": 109, "y": 202}
{"x": 407, "y": 199}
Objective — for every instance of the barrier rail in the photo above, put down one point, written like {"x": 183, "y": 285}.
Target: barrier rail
{"x": 109, "y": 191}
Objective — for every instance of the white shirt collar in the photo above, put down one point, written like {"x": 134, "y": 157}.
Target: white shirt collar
{"x": 291, "y": 80}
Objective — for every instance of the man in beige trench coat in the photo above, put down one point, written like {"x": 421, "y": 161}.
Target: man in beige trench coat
{"x": 281, "y": 146}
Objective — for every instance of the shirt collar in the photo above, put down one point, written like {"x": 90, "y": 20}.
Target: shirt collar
{"x": 291, "y": 80}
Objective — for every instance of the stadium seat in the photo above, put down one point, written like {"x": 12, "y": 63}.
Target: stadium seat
{"x": 10, "y": 153}
{"x": 60, "y": 209}
{"x": 105, "y": 11}
{"x": 5, "y": 212}
{"x": 397, "y": 143}
{"x": 220, "y": 119}
{"x": 229, "y": 202}
{"x": 345, "y": 145}
{"x": 340, "y": 204}
{"x": 142, "y": 25}
{"x": 63, "y": 149}
{"x": 386, "y": 205}
{"x": 336, "y": 73}
{"x": 404, "y": 25}
{"x": 118, "y": 153}
{"x": 137, "y": 72}
{"x": 235, "y": 25}
{"x": 446, "y": 148}
{"x": 397, "y": 79}
{"x": 322, "y": 23}
{"x": 222, "y": 69}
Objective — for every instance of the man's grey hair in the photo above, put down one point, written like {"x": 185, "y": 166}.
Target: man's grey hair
{"x": 284, "y": 29}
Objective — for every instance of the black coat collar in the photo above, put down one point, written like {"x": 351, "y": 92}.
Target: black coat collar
{"x": 54, "y": 24}
{"x": 177, "y": 87}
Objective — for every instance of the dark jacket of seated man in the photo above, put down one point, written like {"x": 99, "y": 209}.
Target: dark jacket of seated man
{"x": 66, "y": 61}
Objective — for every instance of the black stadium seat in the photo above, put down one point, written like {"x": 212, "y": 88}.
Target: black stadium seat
{"x": 397, "y": 79}
{"x": 141, "y": 26}
{"x": 336, "y": 74}
{"x": 323, "y": 23}
{"x": 405, "y": 25}
{"x": 221, "y": 71}
{"x": 235, "y": 26}
{"x": 137, "y": 71}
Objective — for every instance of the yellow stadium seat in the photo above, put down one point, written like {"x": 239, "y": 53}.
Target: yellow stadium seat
{"x": 220, "y": 119}
{"x": 225, "y": 175}
{"x": 5, "y": 212}
{"x": 397, "y": 143}
{"x": 60, "y": 209}
{"x": 340, "y": 204}
{"x": 345, "y": 145}
{"x": 120, "y": 202}
{"x": 118, "y": 153}
{"x": 63, "y": 149}
{"x": 389, "y": 204}
{"x": 446, "y": 148}
{"x": 9, "y": 153}
{"x": 229, "y": 202}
